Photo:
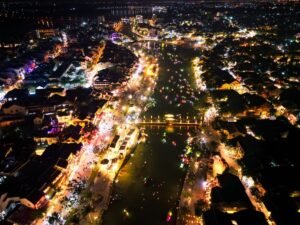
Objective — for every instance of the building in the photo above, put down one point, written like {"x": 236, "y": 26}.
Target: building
{"x": 46, "y": 33}
{"x": 230, "y": 197}
{"x": 14, "y": 108}
{"x": 139, "y": 19}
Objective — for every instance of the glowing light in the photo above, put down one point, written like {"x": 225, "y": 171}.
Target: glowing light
{"x": 204, "y": 184}
{"x": 169, "y": 216}
{"x": 210, "y": 114}
{"x": 126, "y": 212}
{"x": 248, "y": 181}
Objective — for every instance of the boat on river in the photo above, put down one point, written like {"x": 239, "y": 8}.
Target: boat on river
{"x": 147, "y": 181}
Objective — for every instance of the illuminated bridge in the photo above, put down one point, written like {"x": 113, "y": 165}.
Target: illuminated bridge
{"x": 170, "y": 120}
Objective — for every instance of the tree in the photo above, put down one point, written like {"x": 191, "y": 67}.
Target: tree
{"x": 54, "y": 219}
{"x": 86, "y": 210}
{"x": 199, "y": 206}
{"x": 75, "y": 219}
{"x": 36, "y": 214}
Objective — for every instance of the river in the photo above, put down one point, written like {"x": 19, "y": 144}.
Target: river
{"x": 158, "y": 159}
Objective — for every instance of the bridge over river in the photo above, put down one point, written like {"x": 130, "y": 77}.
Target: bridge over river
{"x": 170, "y": 120}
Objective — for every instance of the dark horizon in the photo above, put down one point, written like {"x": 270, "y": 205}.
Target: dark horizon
{"x": 139, "y": 2}
{"x": 142, "y": 1}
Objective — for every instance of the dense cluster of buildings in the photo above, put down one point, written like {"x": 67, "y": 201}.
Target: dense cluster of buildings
{"x": 249, "y": 69}
{"x": 54, "y": 88}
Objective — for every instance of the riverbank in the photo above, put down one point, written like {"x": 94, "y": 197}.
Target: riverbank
{"x": 103, "y": 187}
